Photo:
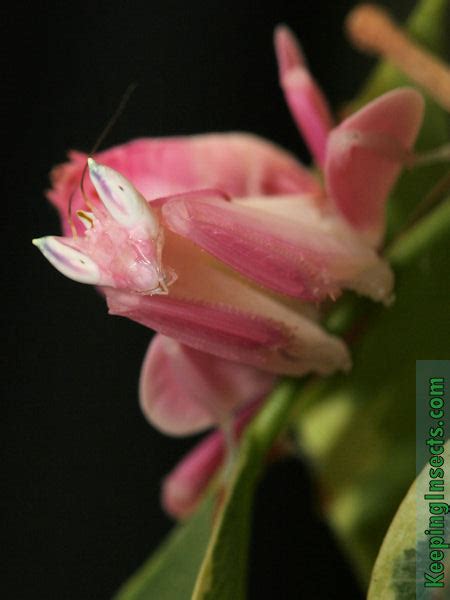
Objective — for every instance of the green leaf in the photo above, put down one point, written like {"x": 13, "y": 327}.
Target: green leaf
{"x": 209, "y": 553}
{"x": 223, "y": 572}
{"x": 367, "y": 457}
{"x": 394, "y": 574}
{"x": 366, "y": 460}
{"x": 171, "y": 572}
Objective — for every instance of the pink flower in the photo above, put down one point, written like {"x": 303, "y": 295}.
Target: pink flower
{"x": 225, "y": 245}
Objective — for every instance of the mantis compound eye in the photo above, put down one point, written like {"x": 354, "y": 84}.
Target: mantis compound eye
{"x": 121, "y": 199}
{"x": 68, "y": 260}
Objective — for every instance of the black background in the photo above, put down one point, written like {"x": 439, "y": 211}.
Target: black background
{"x": 82, "y": 466}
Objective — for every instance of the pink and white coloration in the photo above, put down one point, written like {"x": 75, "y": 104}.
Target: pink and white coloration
{"x": 226, "y": 245}
{"x": 184, "y": 391}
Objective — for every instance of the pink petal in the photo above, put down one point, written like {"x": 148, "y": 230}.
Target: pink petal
{"x": 286, "y": 244}
{"x": 305, "y": 99}
{"x": 183, "y": 391}
{"x": 365, "y": 154}
{"x": 238, "y": 164}
{"x": 211, "y": 309}
{"x": 183, "y": 488}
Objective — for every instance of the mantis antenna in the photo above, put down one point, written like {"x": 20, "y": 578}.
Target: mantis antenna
{"x": 106, "y": 130}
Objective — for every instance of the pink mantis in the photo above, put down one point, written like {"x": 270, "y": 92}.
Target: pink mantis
{"x": 226, "y": 246}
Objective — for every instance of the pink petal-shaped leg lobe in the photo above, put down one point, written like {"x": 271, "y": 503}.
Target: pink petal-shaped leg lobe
{"x": 365, "y": 154}
{"x": 305, "y": 99}
{"x": 292, "y": 347}
{"x": 238, "y": 164}
{"x": 284, "y": 243}
{"x": 184, "y": 391}
{"x": 184, "y": 487}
